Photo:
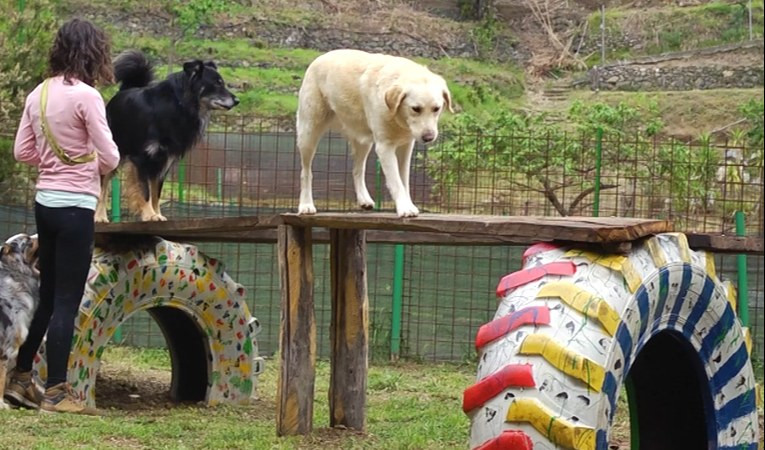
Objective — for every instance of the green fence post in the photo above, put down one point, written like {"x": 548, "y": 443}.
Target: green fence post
{"x": 181, "y": 181}
{"x": 743, "y": 281}
{"x": 398, "y": 294}
{"x": 398, "y": 276}
{"x": 378, "y": 185}
{"x": 219, "y": 183}
{"x": 598, "y": 163}
{"x": 116, "y": 210}
{"x": 116, "y": 217}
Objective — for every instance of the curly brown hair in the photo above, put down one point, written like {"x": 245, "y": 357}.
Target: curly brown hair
{"x": 82, "y": 51}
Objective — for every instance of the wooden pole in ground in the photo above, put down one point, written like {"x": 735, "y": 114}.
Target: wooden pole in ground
{"x": 349, "y": 329}
{"x": 297, "y": 334}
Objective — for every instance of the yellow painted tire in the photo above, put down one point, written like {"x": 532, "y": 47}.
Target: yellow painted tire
{"x": 574, "y": 327}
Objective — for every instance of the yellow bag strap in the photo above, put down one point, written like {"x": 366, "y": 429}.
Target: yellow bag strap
{"x": 66, "y": 159}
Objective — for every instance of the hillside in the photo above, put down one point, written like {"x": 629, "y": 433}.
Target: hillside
{"x": 502, "y": 61}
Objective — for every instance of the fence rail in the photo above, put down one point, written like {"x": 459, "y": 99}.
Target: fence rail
{"x": 428, "y": 301}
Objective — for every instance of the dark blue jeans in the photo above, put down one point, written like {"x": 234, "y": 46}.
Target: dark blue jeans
{"x": 66, "y": 248}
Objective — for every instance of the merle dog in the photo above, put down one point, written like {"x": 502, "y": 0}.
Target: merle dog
{"x": 19, "y": 297}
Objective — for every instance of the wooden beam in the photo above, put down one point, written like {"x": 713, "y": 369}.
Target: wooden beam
{"x": 201, "y": 225}
{"x": 715, "y": 243}
{"x": 574, "y": 229}
{"x": 429, "y": 229}
{"x": 297, "y": 333}
{"x": 349, "y": 329}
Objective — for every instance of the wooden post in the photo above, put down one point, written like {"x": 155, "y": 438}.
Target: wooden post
{"x": 349, "y": 329}
{"x": 297, "y": 334}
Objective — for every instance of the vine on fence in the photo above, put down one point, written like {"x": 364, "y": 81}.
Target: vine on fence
{"x": 558, "y": 160}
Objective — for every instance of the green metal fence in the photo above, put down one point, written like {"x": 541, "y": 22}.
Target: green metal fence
{"x": 426, "y": 302}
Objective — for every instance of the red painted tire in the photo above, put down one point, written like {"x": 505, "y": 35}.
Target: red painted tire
{"x": 573, "y": 327}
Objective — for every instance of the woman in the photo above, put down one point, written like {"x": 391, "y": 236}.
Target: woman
{"x": 64, "y": 133}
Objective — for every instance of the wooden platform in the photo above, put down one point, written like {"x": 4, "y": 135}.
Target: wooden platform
{"x": 486, "y": 230}
{"x": 432, "y": 229}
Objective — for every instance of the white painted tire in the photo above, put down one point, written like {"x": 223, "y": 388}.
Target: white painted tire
{"x": 202, "y": 313}
{"x": 571, "y": 324}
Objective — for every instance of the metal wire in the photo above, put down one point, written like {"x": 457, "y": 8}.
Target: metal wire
{"x": 247, "y": 166}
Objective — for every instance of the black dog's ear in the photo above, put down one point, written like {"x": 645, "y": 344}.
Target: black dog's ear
{"x": 193, "y": 68}
{"x": 211, "y": 64}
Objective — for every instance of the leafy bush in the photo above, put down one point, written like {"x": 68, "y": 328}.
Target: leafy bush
{"x": 26, "y": 33}
{"x": 754, "y": 113}
{"x": 559, "y": 162}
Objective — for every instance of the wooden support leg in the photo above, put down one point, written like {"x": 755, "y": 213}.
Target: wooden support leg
{"x": 348, "y": 329}
{"x": 297, "y": 335}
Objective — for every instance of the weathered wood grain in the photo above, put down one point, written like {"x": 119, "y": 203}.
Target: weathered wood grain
{"x": 349, "y": 329}
{"x": 431, "y": 229}
{"x": 297, "y": 332}
{"x": 574, "y": 229}
{"x": 726, "y": 244}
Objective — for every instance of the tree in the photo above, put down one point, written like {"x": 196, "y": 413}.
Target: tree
{"x": 26, "y": 33}
{"x": 528, "y": 152}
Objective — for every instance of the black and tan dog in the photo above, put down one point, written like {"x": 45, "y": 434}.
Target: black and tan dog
{"x": 19, "y": 297}
{"x": 156, "y": 123}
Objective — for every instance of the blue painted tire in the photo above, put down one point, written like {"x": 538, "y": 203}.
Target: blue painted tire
{"x": 574, "y": 327}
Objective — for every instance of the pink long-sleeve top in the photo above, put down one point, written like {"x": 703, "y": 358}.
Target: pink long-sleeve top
{"x": 77, "y": 119}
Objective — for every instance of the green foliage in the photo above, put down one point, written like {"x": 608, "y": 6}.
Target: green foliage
{"x": 7, "y": 163}
{"x": 190, "y": 14}
{"x": 673, "y": 29}
{"x": 485, "y": 34}
{"x": 267, "y": 79}
{"x": 754, "y": 113}
{"x": 467, "y": 9}
{"x": 621, "y": 120}
{"x": 559, "y": 162}
{"x": 187, "y": 17}
{"x": 26, "y": 32}
{"x": 685, "y": 173}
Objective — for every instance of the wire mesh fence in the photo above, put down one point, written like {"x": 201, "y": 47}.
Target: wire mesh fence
{"x": 245, "y": 166}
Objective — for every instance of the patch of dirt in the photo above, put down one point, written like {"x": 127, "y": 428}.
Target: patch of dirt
{"x": 332, "y": 438}
{"x": 121, "y": 388}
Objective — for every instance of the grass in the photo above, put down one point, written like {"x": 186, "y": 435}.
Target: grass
{"x": 267, "y": 79}
{"x": 409, "y": 406}
{"x": 669, "y": 28}
{"x": 685, "y": 113}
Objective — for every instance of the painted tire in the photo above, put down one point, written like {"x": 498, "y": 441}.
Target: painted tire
{"x": 572, "y": 324}
{"x": 199, "y": 308}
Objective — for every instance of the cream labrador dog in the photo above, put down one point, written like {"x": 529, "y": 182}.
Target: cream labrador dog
{"x": 371, "y": 99}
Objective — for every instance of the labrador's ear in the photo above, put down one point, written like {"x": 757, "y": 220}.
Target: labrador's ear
{"x": 193, "y": 68}
{"x": 393, "y": 98}
{"x": 448, "y": 100}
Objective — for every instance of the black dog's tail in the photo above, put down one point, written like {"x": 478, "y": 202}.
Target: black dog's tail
{"x": 132, "y": 69}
